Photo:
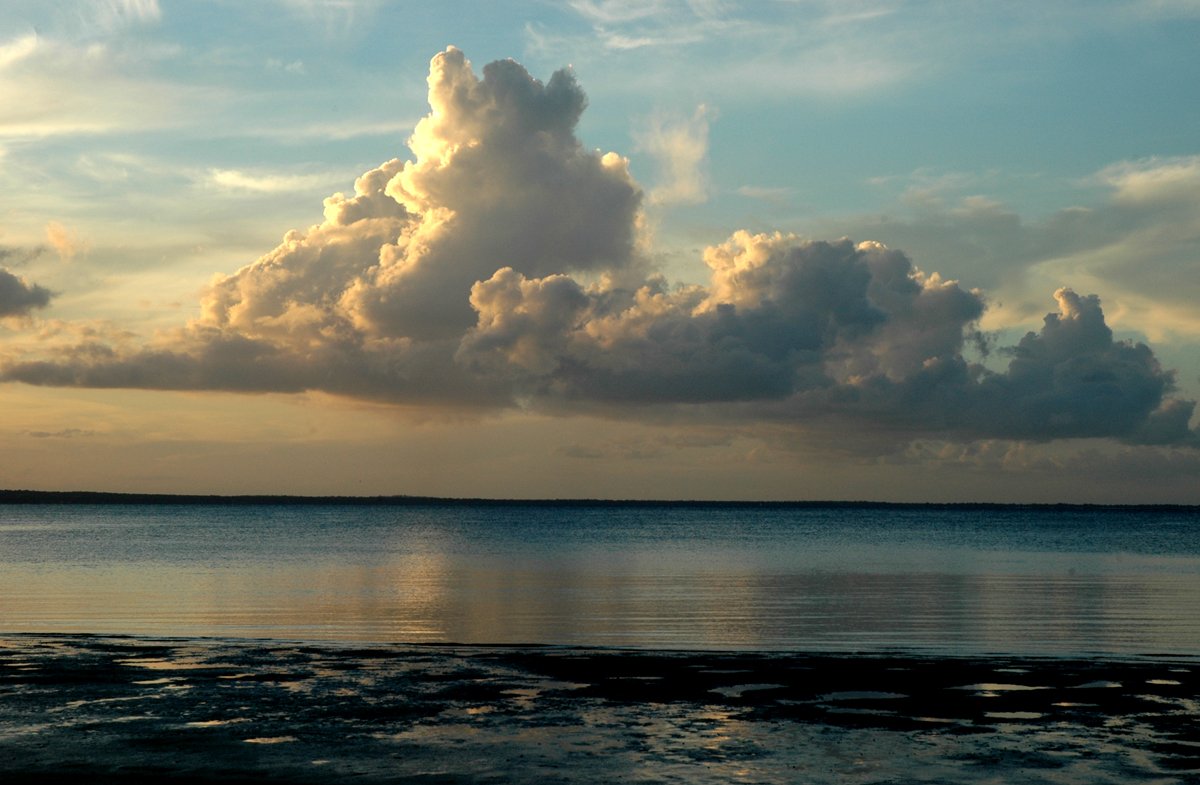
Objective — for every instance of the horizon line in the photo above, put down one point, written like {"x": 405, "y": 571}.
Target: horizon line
{"x": 24, "y": 496}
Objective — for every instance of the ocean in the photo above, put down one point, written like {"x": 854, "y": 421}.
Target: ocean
{"x": 590, "y": 643}
{"x": 866, "y": 578}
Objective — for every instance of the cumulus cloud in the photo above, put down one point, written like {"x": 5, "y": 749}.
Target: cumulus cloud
{"x": 18, "y": 297}
{"x": 1072, "y": 378}
{"x": 498, "y": 267}
{"x": 781, "y": 317}
{"x": 499, "y": 179}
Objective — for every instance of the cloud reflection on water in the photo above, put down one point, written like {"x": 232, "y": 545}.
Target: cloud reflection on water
{"x": 424, "y": 598}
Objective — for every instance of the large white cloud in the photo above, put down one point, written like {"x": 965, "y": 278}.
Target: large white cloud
{"x": 499, "y": 179}
{"x": 499, "y": 267}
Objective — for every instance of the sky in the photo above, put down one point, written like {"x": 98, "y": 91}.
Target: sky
{"x": 705, "y": 249}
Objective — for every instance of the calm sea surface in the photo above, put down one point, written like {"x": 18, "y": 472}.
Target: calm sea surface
{"x": 1012, "y": 580}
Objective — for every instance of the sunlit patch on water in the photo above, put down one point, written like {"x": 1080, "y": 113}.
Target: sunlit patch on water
{"x": 738, "y": 690}
{"x": 133, "y": 718}
{"x": 270, "y": 740}
{"x": 182, "y": 664}
{"x": 522, "y": 697}
{"x": 1013, "y": 715}
{"x": 995, "y": 687}
{"x": 215, "y": 723}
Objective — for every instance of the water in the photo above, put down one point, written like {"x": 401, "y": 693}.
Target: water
{"x": 957, "y": 580}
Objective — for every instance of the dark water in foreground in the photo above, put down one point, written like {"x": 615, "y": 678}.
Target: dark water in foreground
{"x": 1008, "y": 580}
{"x": 115, "y": 711}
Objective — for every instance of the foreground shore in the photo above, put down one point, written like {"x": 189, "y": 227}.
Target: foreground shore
{"x": 119, "y": 709}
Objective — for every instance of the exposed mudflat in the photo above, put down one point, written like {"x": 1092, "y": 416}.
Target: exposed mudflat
{"x": 123, "y": 709}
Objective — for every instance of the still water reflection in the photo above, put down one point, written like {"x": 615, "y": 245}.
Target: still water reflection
{"x": 1019, "y": 580}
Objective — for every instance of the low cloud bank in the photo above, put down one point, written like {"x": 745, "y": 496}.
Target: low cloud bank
{"x": 500, "y": 268}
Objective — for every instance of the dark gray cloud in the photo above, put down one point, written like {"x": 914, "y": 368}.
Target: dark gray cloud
{"x": 18, "y": 297}
{"x": 802, "y": 332}
{"x": 1072, "y": 379}
{"x": 498, "y": 268}
{"x": 781, "y": 317}
{"x": 66, "y": 433}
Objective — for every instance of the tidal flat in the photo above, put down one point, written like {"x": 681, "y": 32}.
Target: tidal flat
{"x": 108, "y": 709}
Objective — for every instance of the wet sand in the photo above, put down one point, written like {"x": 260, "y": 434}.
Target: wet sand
{"x": 122, "y": 709}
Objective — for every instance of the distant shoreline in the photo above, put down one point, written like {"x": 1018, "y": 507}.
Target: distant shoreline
{"x": 12, "y": 497}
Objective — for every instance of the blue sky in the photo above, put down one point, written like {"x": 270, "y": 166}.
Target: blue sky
{"x": 1015, "y": 148}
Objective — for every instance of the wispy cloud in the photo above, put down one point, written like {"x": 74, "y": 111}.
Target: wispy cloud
{"x": 267, "y": 182}
{"x": 295, "y": 67}
{"x": 767, "y": 193}
{"x": 825, "y": 49}
{"x": 332, "y": 17}
{"x": 65, "y": 433}
{"x": 679, "y": 147}
{"x": 349, "y": 128}
{"x": 55, "y": 87}
{"x": 1168, "y": 9}
{"x": 17, "y": 50}
{"x": 15, "y": 256}
{"x": 64, "y": 241}
{"x": 606, "y": 12}
{"x": 114, "y": 14}
{"x": 731, "y": 48}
